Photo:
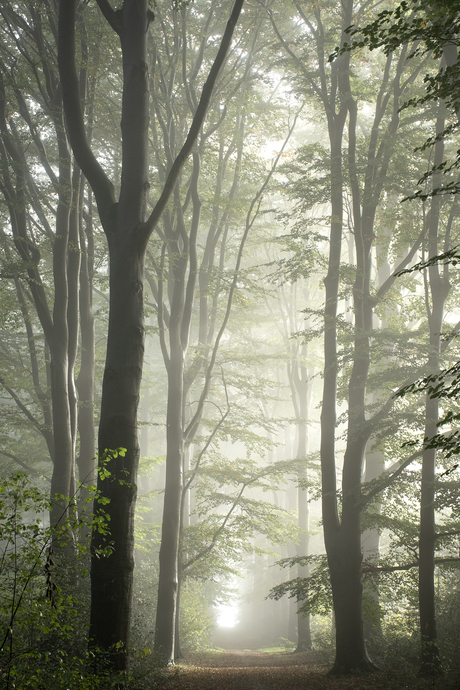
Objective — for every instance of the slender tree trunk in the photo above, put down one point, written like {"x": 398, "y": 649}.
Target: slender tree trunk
{"x": 85, "y": 380}
{"x": 73, "y": 310}
{"x": 169, "y": 550}
{"x": 370, "y": 546}
{"x": 374, "y": 466}
{"x": 342, "y": 538}
{"x": 303, "y": 394}
{"x": 62, "y": 481}
{"x": 344, "y": 552}
{"x": 439, "y": 289}
{"x": 86, "y": 460}
{"x": 177, "y": 641}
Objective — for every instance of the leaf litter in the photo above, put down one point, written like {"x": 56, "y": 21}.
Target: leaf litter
{"x": 251, "y": 670}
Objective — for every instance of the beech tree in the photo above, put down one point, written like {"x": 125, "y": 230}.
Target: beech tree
{"x": 433, "y": 26}
{"x": 299, "y": 374}
{"x": 363, "y": 176}
{"x": 46, "y": 210}
{"x": 192, "y": 280}
{"x": 128, "y": 227}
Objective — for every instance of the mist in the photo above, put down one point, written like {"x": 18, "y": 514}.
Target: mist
{"x": 229, "y": 356}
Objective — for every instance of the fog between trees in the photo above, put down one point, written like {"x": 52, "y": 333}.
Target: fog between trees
{"x": 207, "y": 263}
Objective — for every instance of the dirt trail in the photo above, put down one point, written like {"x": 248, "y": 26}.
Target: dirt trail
{"x": 244, "y": 670}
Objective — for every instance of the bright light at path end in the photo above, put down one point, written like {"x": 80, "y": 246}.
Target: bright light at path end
{"x": 227, "y": 616}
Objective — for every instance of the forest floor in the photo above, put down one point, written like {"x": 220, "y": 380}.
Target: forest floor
{"x": 256, "y": 670}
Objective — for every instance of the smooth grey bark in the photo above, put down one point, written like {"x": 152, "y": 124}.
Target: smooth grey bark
{"x": 342, "y": 536}
{"x": 63, "y": 478}
{"x": 374, "y": 466}
{"x": 21, "y": 197}
{"x": 299, "y": 383}
{"x": 180, "y": 379}
{"x": 438, "y": 288}
{"x": 85, "y": 380}
{"x": 370, "y": 543}
{"x": 343, "y": 541}
{"x": 86, "y": 460}
{"x": 304, "y": 639}
{"x": 169, "y": 550}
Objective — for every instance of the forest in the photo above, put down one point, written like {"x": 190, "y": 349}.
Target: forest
{"x": 229, "y": 350}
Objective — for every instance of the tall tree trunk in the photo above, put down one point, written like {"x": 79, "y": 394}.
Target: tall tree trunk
{"x": 374, "y": 466}
{"x": 370, "y": 546}
{"x": 342, "y": 537}
{"x": 168, "y": 579}
{"x": 112, "y": 577}
{"x": 127, "y": 231}
{"x": 63, "y": 477}
{"x": 439, "y": 289}
{"x": 85, "y": 381}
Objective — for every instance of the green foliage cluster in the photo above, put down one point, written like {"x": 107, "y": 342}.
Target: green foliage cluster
{"x": 43, "y": 630}
{"x": 314, "y": 592}
{"x": 431, "y": 25}
{"x": 196, "y": 620}
{"x": 44, "y": 599}
{"x": 432, "y": 30}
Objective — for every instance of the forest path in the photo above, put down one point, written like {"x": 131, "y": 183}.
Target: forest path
{"x": 251, "y": 670}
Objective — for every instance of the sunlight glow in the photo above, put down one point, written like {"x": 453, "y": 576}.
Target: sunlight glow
{"x": 227, "y": 616}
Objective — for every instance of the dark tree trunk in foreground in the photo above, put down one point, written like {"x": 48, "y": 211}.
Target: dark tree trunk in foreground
{"x": 127, "y": 229}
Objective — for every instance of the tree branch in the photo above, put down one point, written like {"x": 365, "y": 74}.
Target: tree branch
{"x": 389, "y": 477}
{"x": 113, "y": 17}
{"x": 196, "y": 125}
{"x": 97, "y": 178}
{"x": 370, "y": 569}
{"x": 250, "y": 219}
{"x": 20, "y": 462}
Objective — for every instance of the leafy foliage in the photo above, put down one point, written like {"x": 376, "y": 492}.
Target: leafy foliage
{"x": 44, "y": 594}
{"x": 314, "y": 591}
{"x": 432, "y": 30}
{"x": 44, "y": 598}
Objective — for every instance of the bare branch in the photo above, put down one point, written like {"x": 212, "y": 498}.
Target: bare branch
{"x": 197, "y": 122}
{"x": 97, "y": 178}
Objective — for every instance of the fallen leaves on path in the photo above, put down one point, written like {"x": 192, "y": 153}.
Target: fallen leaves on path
{"x": 238, "y": 670}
